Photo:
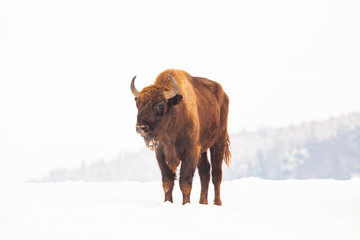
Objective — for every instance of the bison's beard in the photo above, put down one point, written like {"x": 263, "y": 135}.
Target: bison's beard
{"x": 150, "y": 142}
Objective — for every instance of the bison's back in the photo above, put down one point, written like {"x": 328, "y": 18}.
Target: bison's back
{"x": 212, "y": 110}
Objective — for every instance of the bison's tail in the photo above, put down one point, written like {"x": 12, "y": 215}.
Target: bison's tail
{"x": 227, "y": 154}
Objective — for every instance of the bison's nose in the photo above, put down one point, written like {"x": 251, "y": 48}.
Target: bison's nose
{"x": 142, "y": 129}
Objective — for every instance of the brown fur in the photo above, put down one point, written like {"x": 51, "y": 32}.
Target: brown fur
{"x": 192, "y": 122}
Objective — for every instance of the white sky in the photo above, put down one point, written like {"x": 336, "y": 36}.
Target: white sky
{"x": 66, "y": 66}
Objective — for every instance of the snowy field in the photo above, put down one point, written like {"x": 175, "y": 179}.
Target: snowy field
{"x": 252, "y": 209}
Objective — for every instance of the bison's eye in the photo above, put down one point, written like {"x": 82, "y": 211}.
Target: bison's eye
{"x": 159, "y": 109}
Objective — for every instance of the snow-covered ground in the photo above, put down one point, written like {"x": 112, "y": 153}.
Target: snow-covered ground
{"x": 252, "y": 209}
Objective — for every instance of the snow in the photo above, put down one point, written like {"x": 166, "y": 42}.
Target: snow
{"x": 252, "y": 209}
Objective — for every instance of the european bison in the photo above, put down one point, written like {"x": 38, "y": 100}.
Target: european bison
{"x": 181, "y": 117}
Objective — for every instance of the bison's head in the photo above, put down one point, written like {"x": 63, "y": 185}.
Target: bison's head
{"x": 154, "y": 104}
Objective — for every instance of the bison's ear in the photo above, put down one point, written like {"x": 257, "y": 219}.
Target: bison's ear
{"x": 175, "y": 100}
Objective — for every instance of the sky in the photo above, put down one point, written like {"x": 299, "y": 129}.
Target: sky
{"x": 66, "y": 67}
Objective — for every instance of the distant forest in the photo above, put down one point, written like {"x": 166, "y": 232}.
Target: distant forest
{"x": 324, "y": 149}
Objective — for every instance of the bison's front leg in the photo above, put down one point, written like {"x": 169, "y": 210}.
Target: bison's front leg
{"x": 168, "y": 176}
{"x": 187, "y": 170}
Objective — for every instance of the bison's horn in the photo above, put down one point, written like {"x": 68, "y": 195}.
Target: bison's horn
{"x": 133, "y": 89}
{"x": 172, "y": 93}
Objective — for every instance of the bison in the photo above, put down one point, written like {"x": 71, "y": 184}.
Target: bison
{"x": 180, "y": 117}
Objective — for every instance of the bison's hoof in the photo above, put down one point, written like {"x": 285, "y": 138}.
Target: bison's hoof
{"x": 218, "y": 202}
{"x": 185, "y": 201}
{"x": 203, "y": 201}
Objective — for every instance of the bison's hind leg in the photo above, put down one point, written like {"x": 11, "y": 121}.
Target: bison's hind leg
{"x": 217, "y": 155}
{"x": 204, "y": 173}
